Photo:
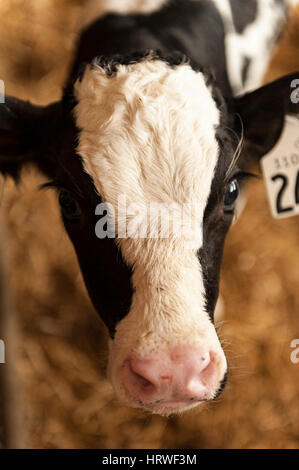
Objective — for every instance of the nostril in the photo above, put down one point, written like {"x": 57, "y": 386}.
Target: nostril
{"x": 143, "y": 381}
{"x": 140, "y": 378}
{"x": 207, "y": 372}
{"x": 201, "y": 376}
{"x": 205, "y": 360}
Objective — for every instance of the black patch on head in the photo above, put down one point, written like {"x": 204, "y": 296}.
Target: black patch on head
{"x": 110, "y": 64}
{"x": 194, "y": 28}
{"x": 244, "y": 13}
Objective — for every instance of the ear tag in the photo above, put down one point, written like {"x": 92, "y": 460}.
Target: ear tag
{"x": 280, "y": 169}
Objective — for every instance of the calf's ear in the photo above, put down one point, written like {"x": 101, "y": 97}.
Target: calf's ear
{"x": 25, "y": 130}
{"x": 259, "y": 116}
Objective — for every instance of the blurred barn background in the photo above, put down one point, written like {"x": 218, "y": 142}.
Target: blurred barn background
{"x": 60, "y": 353}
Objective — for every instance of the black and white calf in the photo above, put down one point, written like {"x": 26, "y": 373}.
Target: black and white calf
{"x": 148, "y": 113}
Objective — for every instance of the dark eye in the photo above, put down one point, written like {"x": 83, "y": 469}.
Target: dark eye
{"x": 231, "y": 194}
{"x": 69, "y": 206}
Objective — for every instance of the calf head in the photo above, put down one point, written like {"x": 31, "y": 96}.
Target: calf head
{"x": 150, "y": 131}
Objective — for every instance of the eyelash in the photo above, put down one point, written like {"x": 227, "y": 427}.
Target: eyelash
{"x": 55, "y": 184}
{"x": 50, "y": 185}
{"x": 241, "y": 176}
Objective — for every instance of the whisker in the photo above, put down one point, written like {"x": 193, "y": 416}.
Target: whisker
{"x": 238, "y": 151}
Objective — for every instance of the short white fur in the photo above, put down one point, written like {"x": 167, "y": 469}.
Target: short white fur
{"x": 148, "y": 132}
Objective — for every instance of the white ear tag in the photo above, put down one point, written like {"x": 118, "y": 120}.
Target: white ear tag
{"x": 280, "y": 169}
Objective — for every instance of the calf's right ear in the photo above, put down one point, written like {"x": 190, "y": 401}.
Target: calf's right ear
{"x": 25, "y": 130}
{"x": 259, "y": 116}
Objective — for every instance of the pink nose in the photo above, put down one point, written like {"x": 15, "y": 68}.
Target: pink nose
{"x": 173, "y": 378}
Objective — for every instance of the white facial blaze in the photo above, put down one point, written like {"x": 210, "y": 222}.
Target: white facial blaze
{"x": 148, "y": 132}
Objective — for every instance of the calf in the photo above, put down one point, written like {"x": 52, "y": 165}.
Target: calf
{"x": 148, "y": 116}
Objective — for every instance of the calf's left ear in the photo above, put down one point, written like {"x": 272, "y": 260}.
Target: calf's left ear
{"x": 25, "y": 131}
{"x": 260, "y": 116}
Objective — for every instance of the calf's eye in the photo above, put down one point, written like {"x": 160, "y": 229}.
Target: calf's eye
{"x": 69, "y": 206}
{"x": 231, "y": 194}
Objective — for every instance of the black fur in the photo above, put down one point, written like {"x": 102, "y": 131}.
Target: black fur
{"x": 195, "y": 29}
{"x": 244, "y": 13}
{"x": 110, "y": 63}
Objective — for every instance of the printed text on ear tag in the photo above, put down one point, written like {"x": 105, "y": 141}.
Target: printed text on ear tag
{"x": 280, "y": 169}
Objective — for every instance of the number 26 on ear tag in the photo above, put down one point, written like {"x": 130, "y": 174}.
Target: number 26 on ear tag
{"x": 280, "y": 169}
